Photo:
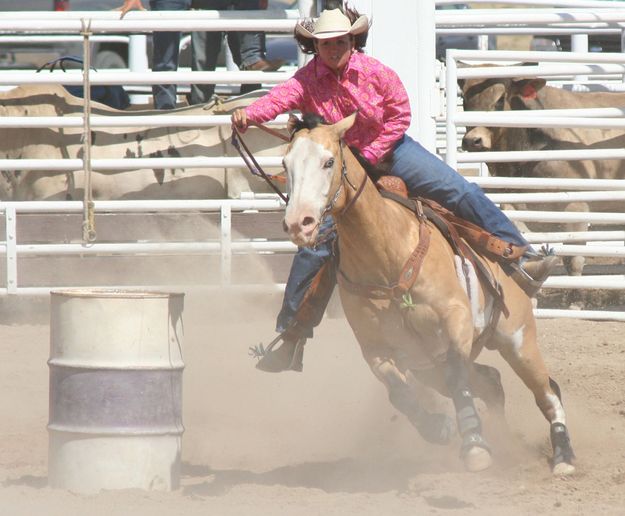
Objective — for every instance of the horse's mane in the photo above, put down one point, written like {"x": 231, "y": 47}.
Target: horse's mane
{"x": 308, "y": 121}
{"x": 311, "y": 120}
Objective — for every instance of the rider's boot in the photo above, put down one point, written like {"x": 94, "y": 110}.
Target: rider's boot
{"x": 288, "y": 357}
{"x": 533, "y": 271}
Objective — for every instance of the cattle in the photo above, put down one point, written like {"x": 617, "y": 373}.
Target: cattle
{"x": 135, "y": 142}
{"x": 532, "y": 93}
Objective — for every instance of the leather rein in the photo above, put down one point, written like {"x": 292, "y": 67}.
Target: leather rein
{"x": 411, "y": 268}
{"x": 250, "y": 160}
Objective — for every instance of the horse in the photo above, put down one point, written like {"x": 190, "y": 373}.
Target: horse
{"x": 428, "y": 331}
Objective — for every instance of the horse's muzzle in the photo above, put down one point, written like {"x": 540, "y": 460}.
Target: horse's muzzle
{"x": 301, "y": 230}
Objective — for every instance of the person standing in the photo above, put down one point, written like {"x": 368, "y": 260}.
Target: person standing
{"x": 247, "y": 48}
{"x": 165, "y": 49}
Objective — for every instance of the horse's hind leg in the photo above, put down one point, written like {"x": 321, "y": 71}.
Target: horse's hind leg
{"x": 527, "y": 362}
{"x": 434, "y": 428}
{"x": 486, "y": 383}
{"x": 475, "y": 452}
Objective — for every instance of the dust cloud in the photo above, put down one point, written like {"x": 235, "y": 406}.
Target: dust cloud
{"x": 325, "y": 441}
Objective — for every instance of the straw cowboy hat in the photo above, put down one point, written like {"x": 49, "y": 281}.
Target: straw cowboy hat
{"x": 332, "y": 24}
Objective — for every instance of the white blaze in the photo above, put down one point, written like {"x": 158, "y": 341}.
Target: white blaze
{"x": 309, "y": 180}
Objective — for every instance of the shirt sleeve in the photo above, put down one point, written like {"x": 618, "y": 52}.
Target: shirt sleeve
{"x": 280, "y": 99}
{"x": 396, "y": 116}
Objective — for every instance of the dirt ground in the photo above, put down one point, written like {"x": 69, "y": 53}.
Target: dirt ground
{"x": 327, "y": 441}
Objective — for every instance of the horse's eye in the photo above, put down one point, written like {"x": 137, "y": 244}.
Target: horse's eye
{"x": 329, "y": 163}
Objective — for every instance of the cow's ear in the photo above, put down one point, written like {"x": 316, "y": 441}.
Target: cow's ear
{"x": 527, "y": 88}
{"x": 537, "y": 82}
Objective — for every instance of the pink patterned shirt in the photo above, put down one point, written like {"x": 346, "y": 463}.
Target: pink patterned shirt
{"x": 365, "y": 85}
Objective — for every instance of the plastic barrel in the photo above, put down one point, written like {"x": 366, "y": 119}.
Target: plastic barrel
{"x": 115, "y": 415}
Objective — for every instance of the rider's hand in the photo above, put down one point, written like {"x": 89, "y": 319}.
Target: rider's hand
{"x": 129, "y": 5}
{"x": 239, "y": 119}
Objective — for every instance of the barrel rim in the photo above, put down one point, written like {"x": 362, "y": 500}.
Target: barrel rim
{"x": 114, "y": 293}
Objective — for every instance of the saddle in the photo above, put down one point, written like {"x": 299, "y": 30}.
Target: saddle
{"x": 478, "y": 238}
{"x": 464, "y": 237}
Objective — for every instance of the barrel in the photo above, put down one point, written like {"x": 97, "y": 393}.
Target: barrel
{"x": 115, "y": 413}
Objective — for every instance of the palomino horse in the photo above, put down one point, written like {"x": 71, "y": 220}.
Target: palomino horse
{"x": 428, "y": 333}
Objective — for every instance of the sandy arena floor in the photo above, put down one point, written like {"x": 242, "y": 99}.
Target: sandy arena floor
{"x": 327, "y": 441}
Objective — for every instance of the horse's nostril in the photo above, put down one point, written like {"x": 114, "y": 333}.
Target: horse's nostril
{"x": 308, "y": 221}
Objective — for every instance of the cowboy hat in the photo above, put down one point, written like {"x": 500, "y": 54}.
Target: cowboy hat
{"x": 332, "y": 24}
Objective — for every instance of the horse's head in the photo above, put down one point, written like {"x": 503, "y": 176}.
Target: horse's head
{"x": 313, "y": 162}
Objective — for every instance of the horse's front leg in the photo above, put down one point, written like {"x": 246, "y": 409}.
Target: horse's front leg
{"x": 474, "y": 450}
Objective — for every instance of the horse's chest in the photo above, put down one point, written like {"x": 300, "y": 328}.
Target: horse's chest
{"x": 392, "y": 324}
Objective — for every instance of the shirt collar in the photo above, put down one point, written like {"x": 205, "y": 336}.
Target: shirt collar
{"x": 354, "y": 63}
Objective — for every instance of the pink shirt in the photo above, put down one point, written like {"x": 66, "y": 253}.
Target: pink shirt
{"x": 365, "y": 85}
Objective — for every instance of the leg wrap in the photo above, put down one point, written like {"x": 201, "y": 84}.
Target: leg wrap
{"x": 561, "y": 444}
{"x": 469, "y": 425}
{"x": 468, "y": 419}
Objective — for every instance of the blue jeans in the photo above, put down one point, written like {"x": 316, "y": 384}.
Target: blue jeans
{"x": 165, "y": 52}
{"x": 306, "y": 263}
{"x": 246, "y": 47}
{"x": 426, "y": 176}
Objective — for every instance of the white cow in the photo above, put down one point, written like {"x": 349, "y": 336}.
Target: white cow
{"x": 50, "y": 143}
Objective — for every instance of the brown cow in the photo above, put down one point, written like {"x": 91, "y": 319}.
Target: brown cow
{"x": 124, "y": 142}
{"x": 521, "y": 94}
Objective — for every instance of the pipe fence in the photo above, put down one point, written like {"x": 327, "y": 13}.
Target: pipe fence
{"x": 563, "y": 67}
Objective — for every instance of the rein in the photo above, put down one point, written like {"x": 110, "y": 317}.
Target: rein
{"x": 250, "y": 160}
{"x": 270, "y": 131}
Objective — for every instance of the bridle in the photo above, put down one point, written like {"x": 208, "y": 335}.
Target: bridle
{"x": 330, "y": 206}
{"x": 344, "y": 179}
{"x": 256, "y": 170}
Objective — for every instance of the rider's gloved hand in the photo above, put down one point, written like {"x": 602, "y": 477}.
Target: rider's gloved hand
{"x": 239, "y": 119}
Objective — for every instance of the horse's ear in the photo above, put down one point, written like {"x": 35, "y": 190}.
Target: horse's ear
{"x": 291, "y": 125}
{"x": 342, "y": 126}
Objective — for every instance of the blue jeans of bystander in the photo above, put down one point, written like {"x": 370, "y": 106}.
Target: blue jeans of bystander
{"x": 165, "y": 52}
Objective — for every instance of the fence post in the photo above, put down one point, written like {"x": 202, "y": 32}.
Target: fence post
{"x": 226, "y": 243}
{"x": 10, "y": 224}
{"x": 451, "y": 79}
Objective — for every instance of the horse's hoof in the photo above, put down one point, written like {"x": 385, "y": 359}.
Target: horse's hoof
{"x": 477, "y": 459}
{"x": 563, "y": 469}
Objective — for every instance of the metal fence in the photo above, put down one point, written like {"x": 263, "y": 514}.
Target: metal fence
{"x": 586, "y": 64}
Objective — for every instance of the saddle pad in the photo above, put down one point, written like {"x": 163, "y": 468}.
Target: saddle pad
{"x": 470, "y": 284}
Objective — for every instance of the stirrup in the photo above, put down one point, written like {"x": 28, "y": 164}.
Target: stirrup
{"x": 281, "y": 359}
{"x": 532, "y": 274}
